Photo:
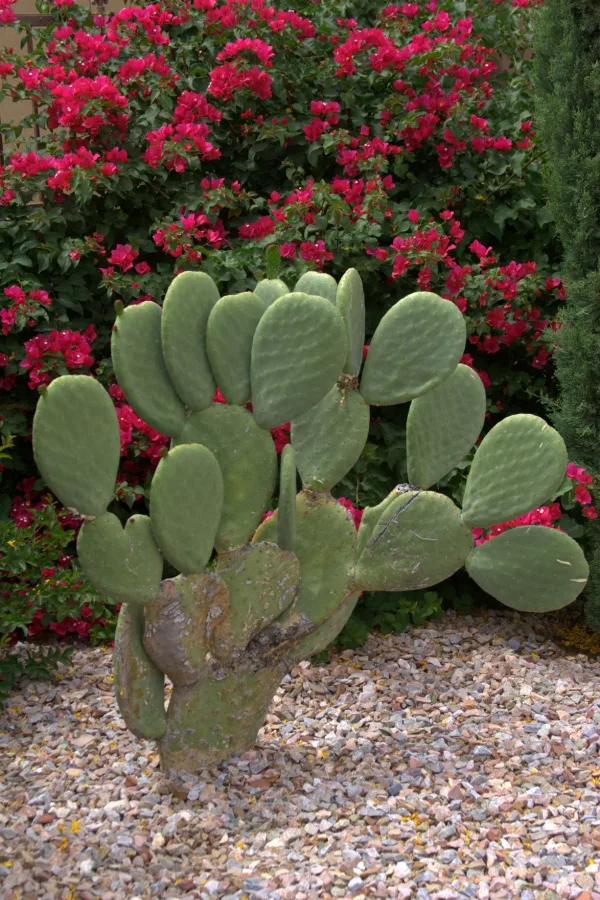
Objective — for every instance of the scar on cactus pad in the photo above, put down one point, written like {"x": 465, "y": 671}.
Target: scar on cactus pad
{"x": 251, "y": 599}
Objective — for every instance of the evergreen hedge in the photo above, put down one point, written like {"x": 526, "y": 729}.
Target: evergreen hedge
{"x": 567, "y": 82}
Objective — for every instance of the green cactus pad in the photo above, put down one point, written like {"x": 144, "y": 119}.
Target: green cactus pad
{"x": 213, "y": 720}
{"x": 371, "y": 516}
{"x": 418, "y": 541}
{"x": 179, "y": 625}
{"x": 286, "y": 519}
{"x": 270, "y": 289}
{"x": 76, "y": 443}
{"x": 330, "y": 437}
{"x": 186, "y": 501}
{"x": 318, "y": 284}
{"x": 351, "y": 306}
{"x": 140, "y": 368}
{"x": 139, "y": 686}
{"x": 298, "y": 352}
{"x": 518, "y": 466}
{"x": 443, "y": 425}
{"x": 262, "y": 580}
{"x": 229, "y": 337}
{"x": 416, "y": 346}
{"x": 248, "y": 462}
{"x": 322, "y": 636}
{"x": 326, "y": 549}
{"x": 187, "y": 306}
{"x": 530, "y": 568}
{"x": 123, "y": 563}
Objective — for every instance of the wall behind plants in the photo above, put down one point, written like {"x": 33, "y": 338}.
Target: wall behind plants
{"x": 192, "y": 135}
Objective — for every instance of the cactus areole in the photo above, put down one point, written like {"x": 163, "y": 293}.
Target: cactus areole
{"x": 253, "y": 598}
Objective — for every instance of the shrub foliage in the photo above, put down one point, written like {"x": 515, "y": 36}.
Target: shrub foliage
{"x": 185, "y": 134}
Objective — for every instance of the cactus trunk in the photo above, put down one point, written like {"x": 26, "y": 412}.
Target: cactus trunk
{"x": 212, "y": 720}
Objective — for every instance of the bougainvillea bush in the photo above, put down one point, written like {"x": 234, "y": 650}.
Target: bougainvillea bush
{"x": 186, "y": 134}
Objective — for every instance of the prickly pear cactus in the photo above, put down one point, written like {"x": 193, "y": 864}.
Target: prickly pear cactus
{"x": 253, "y": 599}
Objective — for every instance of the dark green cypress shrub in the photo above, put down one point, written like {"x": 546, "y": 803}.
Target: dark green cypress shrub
{"x": 568, "y": 117}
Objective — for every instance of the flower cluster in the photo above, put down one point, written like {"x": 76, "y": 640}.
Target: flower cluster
{"x": 58, "y": 353}
{"x": 39, "y": 589}
{"x": 24, "y": 309}
{"x": 141, "y": 445}
{"x": 186, "y": 237}
{"x": 177, "y": 145}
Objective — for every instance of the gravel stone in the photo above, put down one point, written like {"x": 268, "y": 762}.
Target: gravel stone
{"x": 457, "y": 760}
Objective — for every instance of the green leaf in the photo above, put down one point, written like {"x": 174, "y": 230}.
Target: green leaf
{"x": 21, "y": 259}
{"x": 544, "y": 216}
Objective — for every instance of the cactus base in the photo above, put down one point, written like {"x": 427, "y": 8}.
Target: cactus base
{"x": 210, "y": 721}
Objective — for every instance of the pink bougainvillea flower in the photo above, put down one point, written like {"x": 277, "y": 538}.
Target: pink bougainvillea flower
{"x": 123, "y": 256}
{"x": 354, "y": 511}
{"x": 479, "y": 250}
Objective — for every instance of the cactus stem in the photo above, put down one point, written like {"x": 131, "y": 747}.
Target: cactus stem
{"x": 345, "y": 382}
{"x": 119, "y": 308}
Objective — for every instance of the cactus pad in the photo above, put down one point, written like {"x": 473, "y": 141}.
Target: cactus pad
{"x": 248, "y": 462}
{"x": 350, "y": 302}
{"x": 322, "y": 636}
{"x": 326, "y": 549}
{"x": 185, "y": 506}
{"x": 418, "y": 541}
{"x": 262, "y": 581}
{"x": 229, "y": 337}
{"x": 187, "y": 306}
{"x": 371, "y": 516}
{"x": 286, "y": 518}
{"x": 180, "y": 623}
{"x": 298, "y": 352}
{"x": 270, "y": 289}
{"x": 443, "y": 425}
{"x": 318, "y": 284}
{"x": 139, "y": 686}
{"x": 123, "y": 563}
{"x": 329, "y": 438}
{"x": 416, "y": 346}
{"x": 76, "y": 443}
{"x": 140, "y": 368}
{"x": 530, "y": 568}
{"x": 518, "y": 466}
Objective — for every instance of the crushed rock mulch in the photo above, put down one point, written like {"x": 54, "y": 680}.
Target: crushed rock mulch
{"x": 457, "y": 760}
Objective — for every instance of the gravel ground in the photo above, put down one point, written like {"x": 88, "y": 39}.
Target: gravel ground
{"x": 456, "y": 760}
